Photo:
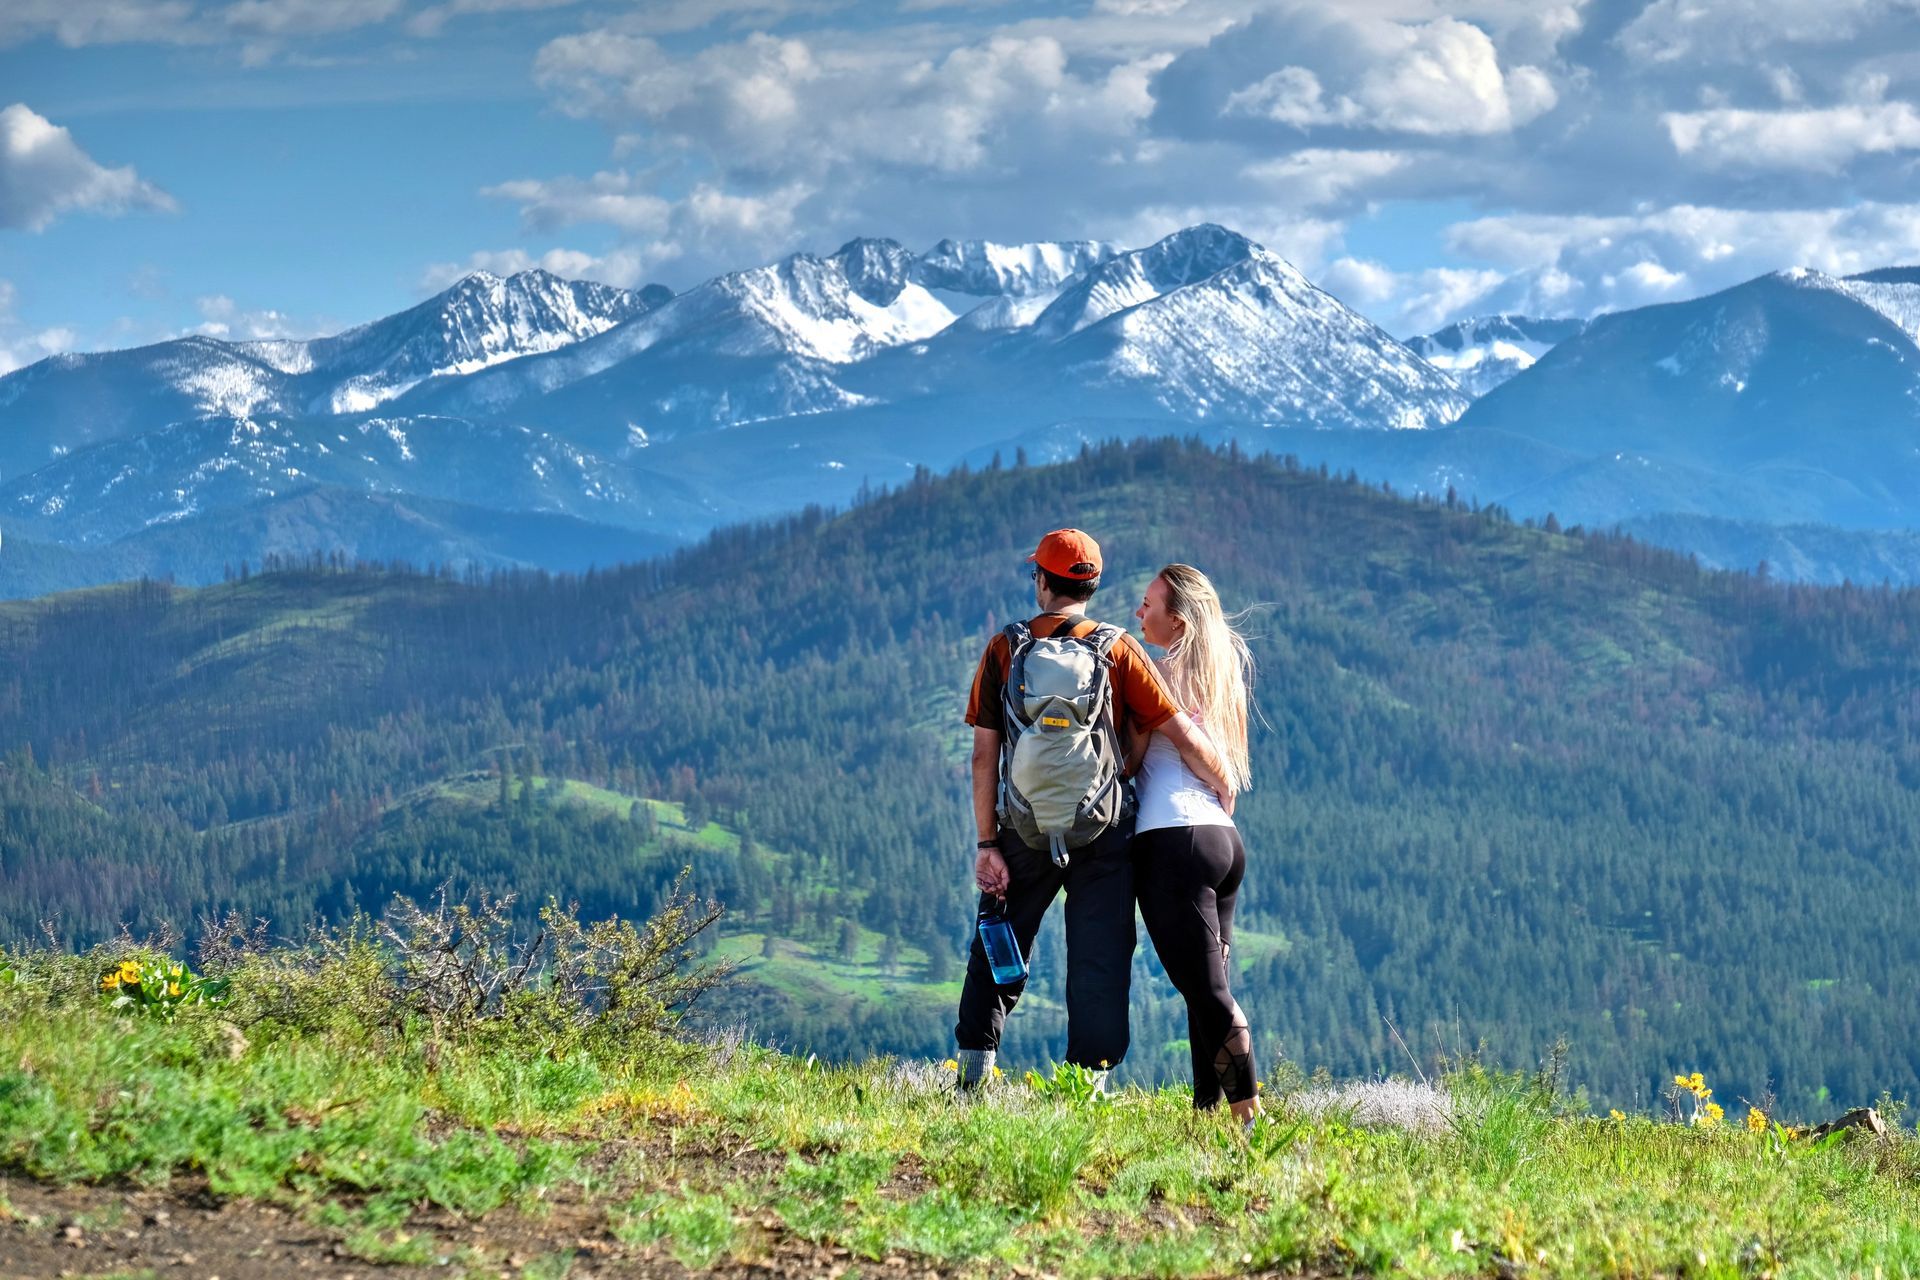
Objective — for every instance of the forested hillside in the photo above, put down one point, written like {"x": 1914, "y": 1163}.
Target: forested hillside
{"x": 1514, "y": 783}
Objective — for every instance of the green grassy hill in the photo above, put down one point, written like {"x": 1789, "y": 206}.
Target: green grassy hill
{"x": 1514, "y": 784}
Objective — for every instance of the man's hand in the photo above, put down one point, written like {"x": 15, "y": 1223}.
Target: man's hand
{"x": 990, "y": 872}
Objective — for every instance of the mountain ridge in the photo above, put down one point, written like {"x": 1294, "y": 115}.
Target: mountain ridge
{"x": 804, "y": 379}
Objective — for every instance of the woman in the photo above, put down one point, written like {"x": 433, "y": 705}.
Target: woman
{"x": 1188, "y": 861}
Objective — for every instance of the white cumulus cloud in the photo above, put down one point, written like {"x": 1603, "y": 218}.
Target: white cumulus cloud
{"x": 222, "y": 317}
{"x": 1409, "y": 302}
{"x": 783, "y": 104}
{"x": 1438, "y": 77}
{"x": 611, "y": 197}
{"x": 1823, "y": 140}
{"x": 657, "y": 229}
{"x": 20, "y": 343}
{"x": 1736, "y": 31}
{"x": 1321, "y": 176}
{"x": 44, "y": 174}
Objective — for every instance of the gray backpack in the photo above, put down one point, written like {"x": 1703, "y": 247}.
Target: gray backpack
{"x": 1060, "y": 753}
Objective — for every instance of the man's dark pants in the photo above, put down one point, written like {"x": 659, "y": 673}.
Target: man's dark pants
{"x": 1100, "y": 938}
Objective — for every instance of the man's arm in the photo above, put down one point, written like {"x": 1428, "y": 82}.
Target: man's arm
{"x": 989, "y": 868}
{"x": 1136, "y": 749}
{"x": 1197, "y": 750}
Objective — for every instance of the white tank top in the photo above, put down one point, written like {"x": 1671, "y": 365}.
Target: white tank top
{"x": 1170, "y": 794}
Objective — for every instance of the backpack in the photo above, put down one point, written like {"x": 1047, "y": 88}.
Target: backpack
{"x": 1060, "y": 753}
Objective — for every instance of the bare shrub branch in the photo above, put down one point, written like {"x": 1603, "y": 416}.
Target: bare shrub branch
{"x": 229, "y": 941}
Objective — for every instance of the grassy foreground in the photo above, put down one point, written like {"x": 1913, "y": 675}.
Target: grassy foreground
{"x": 718, "y": 1155}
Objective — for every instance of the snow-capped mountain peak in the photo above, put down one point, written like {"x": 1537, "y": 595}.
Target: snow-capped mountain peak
{"x": 738, "y": 348}
{"x": 1217, "y": 327}
{"x": 482, "y": 320}
{"x": 988, "y": 270}
{"x": 1183, "y": 258}
{"x": 1485, "y": 351}
{"x": 837, "y": 309}
{"x": 876, "y": 269}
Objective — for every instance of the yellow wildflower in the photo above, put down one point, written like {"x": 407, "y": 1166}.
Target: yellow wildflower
{"x": 1683, "y": 1082}
{"x": 111, "y": 981}
{"x": 1617, "y": 1116}
{"x": 1756, "y": 1120}
{"x": 173, "y": 988}
{"x": 129, "y": 971}
{"x": 950, "y": 1065}
{"x": 1697, "y": 1083}
{"x": 1714, "y": 1112}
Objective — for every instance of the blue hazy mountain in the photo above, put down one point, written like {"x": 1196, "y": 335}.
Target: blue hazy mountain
{"x": 362, "y": 526}
{"x": 1791, "y": 398}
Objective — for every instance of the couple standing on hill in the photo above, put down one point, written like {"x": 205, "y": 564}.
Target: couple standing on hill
{"x": 1172, "y": 733}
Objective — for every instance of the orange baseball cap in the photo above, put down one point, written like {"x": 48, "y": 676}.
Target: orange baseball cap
{"x": 1068, "y": 553}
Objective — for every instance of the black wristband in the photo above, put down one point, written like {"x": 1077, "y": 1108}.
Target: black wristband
{"x": 986, "y": 844}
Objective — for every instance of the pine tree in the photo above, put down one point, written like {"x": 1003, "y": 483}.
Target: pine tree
{"x": 939, "y": 961}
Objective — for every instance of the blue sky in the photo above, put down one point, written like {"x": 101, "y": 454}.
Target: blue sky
{"x": 267, "y": 167}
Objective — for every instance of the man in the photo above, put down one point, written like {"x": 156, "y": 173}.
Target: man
{"x": 1098, "y": 877}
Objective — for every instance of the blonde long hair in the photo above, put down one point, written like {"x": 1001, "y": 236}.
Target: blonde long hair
{"x": 1209, "y": 667}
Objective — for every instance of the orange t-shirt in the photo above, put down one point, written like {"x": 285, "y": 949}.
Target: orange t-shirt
{"x": 1138, "y": 694}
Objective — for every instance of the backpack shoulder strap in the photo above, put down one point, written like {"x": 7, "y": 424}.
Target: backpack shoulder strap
{"x": 1013, "y": 709}
{"x": 1065, "y": 629}
{"x": 1104, "y": 636}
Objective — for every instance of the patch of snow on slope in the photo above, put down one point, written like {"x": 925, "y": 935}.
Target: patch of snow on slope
{"x": 287, "y": 356}
{"x": 805, "y": 307}
{"x": 365, "y": 392}
{"x": 1899, "y": 303}
{"x": 226, "y": 388}
{"x": 1000, "y": 314}
{"x": 912, "y": 317}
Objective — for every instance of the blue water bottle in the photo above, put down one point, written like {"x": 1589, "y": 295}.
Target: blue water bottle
{"x": 1003, "y": 949}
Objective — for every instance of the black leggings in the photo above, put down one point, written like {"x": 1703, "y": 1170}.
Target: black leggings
{"x": 1187, "y": 879}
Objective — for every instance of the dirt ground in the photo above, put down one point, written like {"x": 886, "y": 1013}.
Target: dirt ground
{"x": 184, "y": 1232}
